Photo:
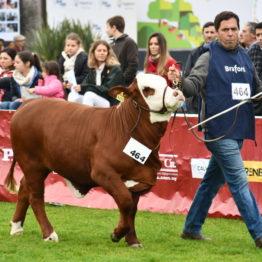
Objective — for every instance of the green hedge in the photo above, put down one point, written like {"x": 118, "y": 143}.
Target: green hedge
{"x": 49, "y": 42}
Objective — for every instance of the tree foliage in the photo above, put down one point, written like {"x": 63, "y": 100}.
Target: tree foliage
{"x": 49, "y": 42}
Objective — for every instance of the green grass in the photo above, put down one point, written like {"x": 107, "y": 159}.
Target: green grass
{"x": 84, "y": 236}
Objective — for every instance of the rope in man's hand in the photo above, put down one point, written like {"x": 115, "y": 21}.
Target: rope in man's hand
{"x": 175, "y": 76}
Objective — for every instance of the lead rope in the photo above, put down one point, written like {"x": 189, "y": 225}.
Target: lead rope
{"x": 138, "y": 117}
{"x": 178, "y": 85}
{"x": 137, "y": 121}
{"x": 210, "y": 140}
{"x": 169, "y": 140}
{"x": 163, "y": 110}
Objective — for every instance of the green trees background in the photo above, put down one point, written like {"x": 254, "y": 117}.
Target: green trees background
{"x": 176, "y": 21}
{"x": 49, "y": 42}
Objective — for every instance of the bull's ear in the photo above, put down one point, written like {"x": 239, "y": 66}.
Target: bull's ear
{"x": 126, "y": 91}
{"x": 116, "y": 90}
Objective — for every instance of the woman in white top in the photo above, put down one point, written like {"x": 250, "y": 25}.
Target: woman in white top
{"x": 74, "y": 59}
{"x": 104, "y": 72}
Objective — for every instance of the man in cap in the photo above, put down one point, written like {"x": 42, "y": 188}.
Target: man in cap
{"x": 19, "y": 43}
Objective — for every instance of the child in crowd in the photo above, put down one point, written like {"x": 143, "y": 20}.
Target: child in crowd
{"x": 51, "y": 86}
{"x": 104, "y": 72}
{"x": 7, "y": 59}
{"x": 73, "y": 58}
{"x": 25, "y": 76}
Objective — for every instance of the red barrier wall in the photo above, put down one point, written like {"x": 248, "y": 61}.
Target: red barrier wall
{"x": 184, "y": 160}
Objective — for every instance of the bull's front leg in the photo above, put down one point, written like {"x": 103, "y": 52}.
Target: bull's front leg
{"x": 131, "y": 238}
{"x": 112, "y": 183}
{"x": 137, "y": 190}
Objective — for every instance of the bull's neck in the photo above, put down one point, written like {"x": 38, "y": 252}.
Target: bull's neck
{"x": 137, "y": 124}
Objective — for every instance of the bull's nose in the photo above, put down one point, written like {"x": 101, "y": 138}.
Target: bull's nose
{"x": 178, "y": 94}
{"x": 175, "y": 93}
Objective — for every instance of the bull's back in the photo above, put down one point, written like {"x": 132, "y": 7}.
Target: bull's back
{"x": 55, "y": 132}
{"x": 70, "y": 138}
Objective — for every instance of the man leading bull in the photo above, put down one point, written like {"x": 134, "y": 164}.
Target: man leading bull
{"x": 223, "y": 76}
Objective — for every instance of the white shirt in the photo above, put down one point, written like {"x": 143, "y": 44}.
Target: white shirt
{"x": 99, "y": 71}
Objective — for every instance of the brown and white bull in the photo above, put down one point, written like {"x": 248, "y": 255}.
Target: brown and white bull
{"x": 85, "y": 145}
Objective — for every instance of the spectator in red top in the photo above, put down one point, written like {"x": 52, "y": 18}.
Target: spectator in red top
{"x": 158, "y": 60}
{"x": 7, "y": 59}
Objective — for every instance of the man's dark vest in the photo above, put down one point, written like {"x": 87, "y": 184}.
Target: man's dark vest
{"x": 227, "y": 67}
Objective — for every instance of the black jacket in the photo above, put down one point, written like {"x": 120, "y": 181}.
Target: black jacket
{"x": 80, "y": 66}
{"x": 111, "y": 76}
{"x": 126, "y": 51}
{"x": 12, "y": 88}
{"x": 193, "y": 101}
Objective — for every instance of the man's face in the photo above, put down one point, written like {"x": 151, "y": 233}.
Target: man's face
{"x": 228, "y": 33}
{"x": 248, "y": 37}
{"x": 20, "y": 43}
{"x": 209, "y": 34}
{"x": 110, "y": 30}
{"x": 259, "y": 36}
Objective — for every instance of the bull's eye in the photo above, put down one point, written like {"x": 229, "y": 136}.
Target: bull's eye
{"x": 148, "y": 91}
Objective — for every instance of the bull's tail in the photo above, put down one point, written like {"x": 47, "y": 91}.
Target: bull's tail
{"x": 10, "y": 183}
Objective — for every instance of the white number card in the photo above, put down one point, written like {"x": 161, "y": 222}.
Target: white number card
{"x": 137, "y": 151}
{"x": 240, "y": 91}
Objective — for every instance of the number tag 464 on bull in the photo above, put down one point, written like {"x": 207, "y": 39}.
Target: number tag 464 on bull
{"x": 137, "y": 151}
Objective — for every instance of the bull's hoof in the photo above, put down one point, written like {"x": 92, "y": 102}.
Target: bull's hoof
{"x": 52, "y": 238}
{"x": 114, "y": 238}
{"x": 16, "y": 228}
{"x": 137, "y": 245}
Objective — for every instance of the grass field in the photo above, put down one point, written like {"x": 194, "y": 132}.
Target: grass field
{"x": 84, "y": 236}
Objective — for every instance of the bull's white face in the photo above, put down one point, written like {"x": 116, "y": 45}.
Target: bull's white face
{"x": 152, "y": 88}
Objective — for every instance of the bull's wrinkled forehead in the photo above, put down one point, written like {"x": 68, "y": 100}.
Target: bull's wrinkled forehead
{"x": 150, "y": 80}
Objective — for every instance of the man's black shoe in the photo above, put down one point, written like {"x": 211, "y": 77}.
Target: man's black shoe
{"x": 259, "y": 242}
{"x": 194, "y": 236}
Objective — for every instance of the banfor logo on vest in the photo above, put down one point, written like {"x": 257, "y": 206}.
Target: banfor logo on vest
{"x": 235, "y": 69}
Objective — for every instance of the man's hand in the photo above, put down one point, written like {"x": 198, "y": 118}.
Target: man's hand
{"x": 173, "y": 75}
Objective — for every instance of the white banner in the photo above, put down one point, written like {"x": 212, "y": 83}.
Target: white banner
{"x": 9, "y": 19}
{"x": 94, "y": 12}
{"x": 198, "y": 167}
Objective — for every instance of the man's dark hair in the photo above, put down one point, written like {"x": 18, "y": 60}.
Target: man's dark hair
{"x": 207, "y": 24}
{"x": 259, "y": 25}
{"x": 225, "y": 15}
{"x": 117, "y": 21}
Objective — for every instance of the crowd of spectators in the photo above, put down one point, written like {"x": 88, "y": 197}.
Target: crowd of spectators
{"x": 82, "y": 75}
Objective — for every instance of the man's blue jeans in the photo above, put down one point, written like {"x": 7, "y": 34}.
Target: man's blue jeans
{"x": 226, "y": 165}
